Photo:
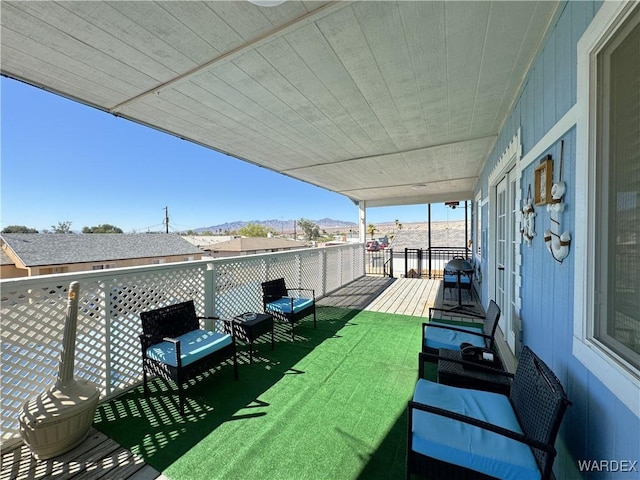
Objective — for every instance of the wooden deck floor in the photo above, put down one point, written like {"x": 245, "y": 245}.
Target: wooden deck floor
{"x": 99, "y": 457}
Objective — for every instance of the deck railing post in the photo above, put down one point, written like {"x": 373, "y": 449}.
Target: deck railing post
{"x": 107, "y": 286}
{"x": 210, "y": 292}
{"x": 406, "y": 261}
{"x": 429, "y": 237}
{"x": 323, "y": 270}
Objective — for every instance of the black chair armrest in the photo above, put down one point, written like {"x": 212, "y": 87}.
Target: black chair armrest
{"x": 146, "y": 340}
{"x": 457, "y": 329}
{"x": 216, "y": 318}
{"x": 462, "y": 314}
{"x": 425, "y": 356}
{"x": 484, "y": 425}
{"x": 313, "y": 292}
{"x": 231, "y": 323}
{"x": 176, "y": 342}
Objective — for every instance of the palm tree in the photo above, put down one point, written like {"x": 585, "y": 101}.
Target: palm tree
{"x": 371, "y": 229}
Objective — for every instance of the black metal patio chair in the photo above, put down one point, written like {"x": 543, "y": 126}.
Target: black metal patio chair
{"x": 462, "y": 433}
{"x": 288, "y": 304}
{"x": 175, "y": 348}
{"x": 436, "y": 335}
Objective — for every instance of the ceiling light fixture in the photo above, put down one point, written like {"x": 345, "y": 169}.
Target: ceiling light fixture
{"x": 267, "y": 3}
{"x": 419, "y": 186}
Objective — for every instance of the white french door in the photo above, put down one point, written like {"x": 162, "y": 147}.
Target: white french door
{"x": 506, "y": 251}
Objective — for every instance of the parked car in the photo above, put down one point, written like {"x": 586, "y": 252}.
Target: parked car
{"x": 383, "y": 242}
{"x": 372, "y": 246}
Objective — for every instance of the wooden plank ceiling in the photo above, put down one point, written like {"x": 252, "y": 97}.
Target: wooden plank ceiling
{"x": 367, "y": 99}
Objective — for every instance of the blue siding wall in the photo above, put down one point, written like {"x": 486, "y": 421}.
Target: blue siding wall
{"x": 598, "y": 426}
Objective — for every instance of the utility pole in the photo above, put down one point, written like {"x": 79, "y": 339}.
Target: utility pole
{"x": 166, "y": 219}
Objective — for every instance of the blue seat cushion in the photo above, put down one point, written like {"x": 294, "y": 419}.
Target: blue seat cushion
{"x": 462, "y": 444}
{"x": 451, "y": 339}
{"x": 194, "y": 345}
{"x": 283, "y": 305}
{"x": 465, "y": 280}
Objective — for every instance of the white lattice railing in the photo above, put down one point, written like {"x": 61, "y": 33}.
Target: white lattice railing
{"x": 107, "y": 346}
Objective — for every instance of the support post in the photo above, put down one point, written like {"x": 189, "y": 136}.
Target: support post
{"x": 429, "y": 237}
{"x": 466, "y": 229}
{"x": 362, "y": 221}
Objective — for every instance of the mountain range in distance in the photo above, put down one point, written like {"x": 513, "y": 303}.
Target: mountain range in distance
{"x": 278, "y": 225}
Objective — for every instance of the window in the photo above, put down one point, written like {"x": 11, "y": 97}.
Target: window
{"x": 103, "y": 266}
{"x": 607, "y": 249}
{"x": 617, "y": 317}
{"x": 52, "y": 270}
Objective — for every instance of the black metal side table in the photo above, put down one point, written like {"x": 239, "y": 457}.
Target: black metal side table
{"x": 456, "y": 375}
{"x": 249, "y": 326}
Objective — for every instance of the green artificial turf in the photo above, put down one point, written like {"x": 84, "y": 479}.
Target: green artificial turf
{"x": 331, "y": 405}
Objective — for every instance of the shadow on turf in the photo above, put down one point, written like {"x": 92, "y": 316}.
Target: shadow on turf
{"x": 153, "y": 427}
{"x": 389, "y": 459}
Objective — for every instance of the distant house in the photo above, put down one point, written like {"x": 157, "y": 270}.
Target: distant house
{"x": 409, "y": 239}
{"x": 31, "y": 254}
{"x": 8, "y": 267}
{"x": 251, "y": 246}
{"x": 205, "y": 240}
{"x": 447, "y": 240}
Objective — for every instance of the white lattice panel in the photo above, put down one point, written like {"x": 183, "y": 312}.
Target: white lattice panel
{"x": 311, "y": 265}
{"x": 33, "y": 321}
{"x": 107, "y": 347}
{"x": 334, "y": 269}
{"x": 237, "y": 286}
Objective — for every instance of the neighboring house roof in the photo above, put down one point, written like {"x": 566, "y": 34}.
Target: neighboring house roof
{"x": 252, "y": 244}
{"x": 410, "y": 239}
{"x": 443, "y": 234}
{"x": 205, "y": 240}
{"x": 37, "y": 249}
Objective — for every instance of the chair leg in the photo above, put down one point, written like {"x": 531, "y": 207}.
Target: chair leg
{"x": 235, "y": 364}
{"x": 314, "y": 316}
{"x": 144, "y": 381}
{"x": 181, "y": 398}
{"x": 272, "y": 337}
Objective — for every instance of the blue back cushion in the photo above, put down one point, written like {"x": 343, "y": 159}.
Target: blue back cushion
{"x": 194, "y": 345}
{"x": 464, "y": 279}
{"x": 283, "y": 305}
{"x": 462, "y": 444}
{"x": 451, "y": 339}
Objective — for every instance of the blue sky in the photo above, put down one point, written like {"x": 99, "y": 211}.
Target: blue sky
{"x": 63, "y": 161}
